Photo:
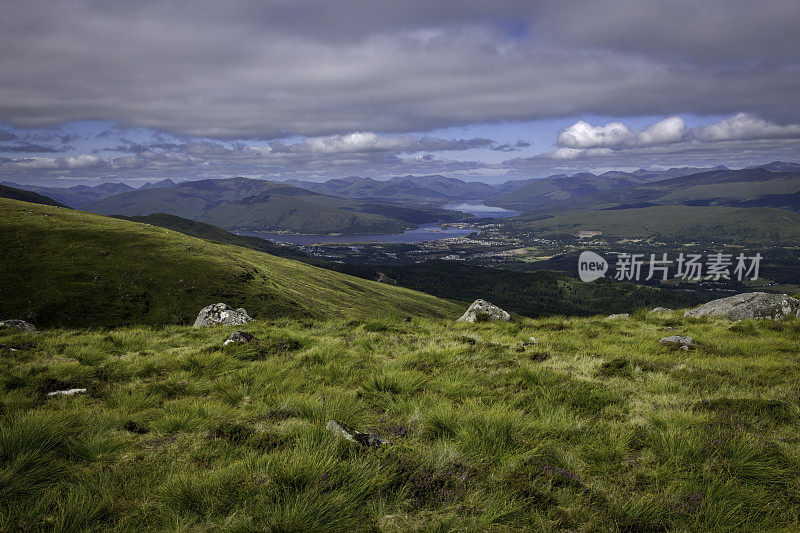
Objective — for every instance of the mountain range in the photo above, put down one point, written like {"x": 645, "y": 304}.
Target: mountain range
{"x": 241, "y": 204}
{"x": 364, "y": 205}
{"x": 80, "y": 196}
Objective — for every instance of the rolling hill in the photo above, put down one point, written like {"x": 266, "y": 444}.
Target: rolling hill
{"x": 752, "y": 187}
{"x": 27, "y": 196}
{"x": 672, "y": 223}
{"x": 211, "y": 233}
{"x": 432, "y": 190}
{"x": 257, "y": 205}
{"x": 71, "y": 268}
{"x": 79, "y": 195}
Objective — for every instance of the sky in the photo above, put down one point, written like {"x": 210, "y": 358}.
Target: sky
{"x": 94, "y": 91}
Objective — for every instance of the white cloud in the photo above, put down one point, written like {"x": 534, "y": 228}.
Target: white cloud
{"x": 365, "y": 142}
{"x": 615, "y": 134}
{"x": 745, "y": 127}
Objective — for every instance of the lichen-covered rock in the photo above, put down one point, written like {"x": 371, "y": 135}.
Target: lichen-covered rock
{"x": 620, "y": 315}
{"x": 365, "y": 439}
{"x": 483, "y": 311}
{"x": 662, "y": 310}
{"x": 678, "y": 342}
{"x": 238, "y": 337}
{"x": 750, "y": 305}
{"x": 17, "y": 324}
{"x": 221, "y": 314}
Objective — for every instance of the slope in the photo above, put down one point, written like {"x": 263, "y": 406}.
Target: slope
{"x": 71, "y": 268}
{"x": 27, "y": 196}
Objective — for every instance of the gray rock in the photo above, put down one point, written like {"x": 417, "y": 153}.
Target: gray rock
{"x": 365, "y": 439}
{"x": 68, "y": 392}
{"x": 221, "y": 314}
{"x": 238, "y": 337}
{"x": 678, "y": 342}
{"x": 662, "y": 310}
{"x": 483, "y": 311}
{"x": 750, "y": 305}
{"x": 17, "y": 324}
{"x": 620, "y": 315}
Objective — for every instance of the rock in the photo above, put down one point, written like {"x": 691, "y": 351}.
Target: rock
{"x": 750, "y": 305}
{"x": 238, "y": 337}
{"x": 483, "y": 311}
{"x": 365, "y": 439}
{"x": 620, "y": 315}
{"x": 662, "y": 310}
{"x": 68, "y": 392}
{"x": 221, "y": 314}
{"x": 17, "y": 324}
{"x": 678, "y": 342}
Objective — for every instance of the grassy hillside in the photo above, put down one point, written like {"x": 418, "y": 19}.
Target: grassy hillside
{"x": 531, "y": 294}
{"x": 63, "y": 267}
{"x": 215, "y": 234}
{"x": 756, "y": 225}
{"x": 593, "y": 428}
{"x": 27, "y": 196}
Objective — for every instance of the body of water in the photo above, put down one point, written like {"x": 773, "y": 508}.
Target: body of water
{"x": 482, "y": 211}
{"x": 425, "y": 232}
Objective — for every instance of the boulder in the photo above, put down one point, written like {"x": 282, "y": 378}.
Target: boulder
{"x": 221, "y": 314}
{"x": 750, "y": 305}
{"x": 17, "y": 324}
{"x": 238, "y": 337}
{"x": 620, "y": 315}
{"x": 662, "y": 310}
{"x": 678, "y": 342}
{"x": 483, "y": 311}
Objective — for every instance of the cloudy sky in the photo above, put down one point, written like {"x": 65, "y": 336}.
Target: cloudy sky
{"x": 96, "y": 91}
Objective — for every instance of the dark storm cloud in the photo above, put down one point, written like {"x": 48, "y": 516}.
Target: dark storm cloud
{"x": 519, "y": 145}
{"x": 30, "y": 148}
{"x": 267, "y": 70}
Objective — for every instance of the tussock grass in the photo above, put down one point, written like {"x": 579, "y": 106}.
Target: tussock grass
{"x": 595, "y": 427}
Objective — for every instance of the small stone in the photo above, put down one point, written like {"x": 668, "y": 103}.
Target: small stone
{"x": 662, "y": 310}
{"x": 68, "y": 392}
{"x": 365, "y": 439}
{"x": 615, "y": 317}
{"x": 238, "y": 337}
{"x": 678, "y": 342}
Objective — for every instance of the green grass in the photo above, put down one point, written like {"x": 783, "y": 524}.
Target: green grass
{"x": 595, "y": 428}
{"x": 70, "y": 268}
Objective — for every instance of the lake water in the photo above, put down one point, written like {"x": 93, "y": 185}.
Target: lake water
{"x": 425, "y": 232}
{"x": 482, "y": 211}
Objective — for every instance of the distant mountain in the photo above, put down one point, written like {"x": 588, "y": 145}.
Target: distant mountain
{"x": 27, "y": 196}
{"x": 241, "y": 204}
{"x": 159, "y": 184}
{"x": 780, "y": 166}
{"x": 433, "y": 190}
{"x": 78, "y": 196}
{"x": 753, "y": 187}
